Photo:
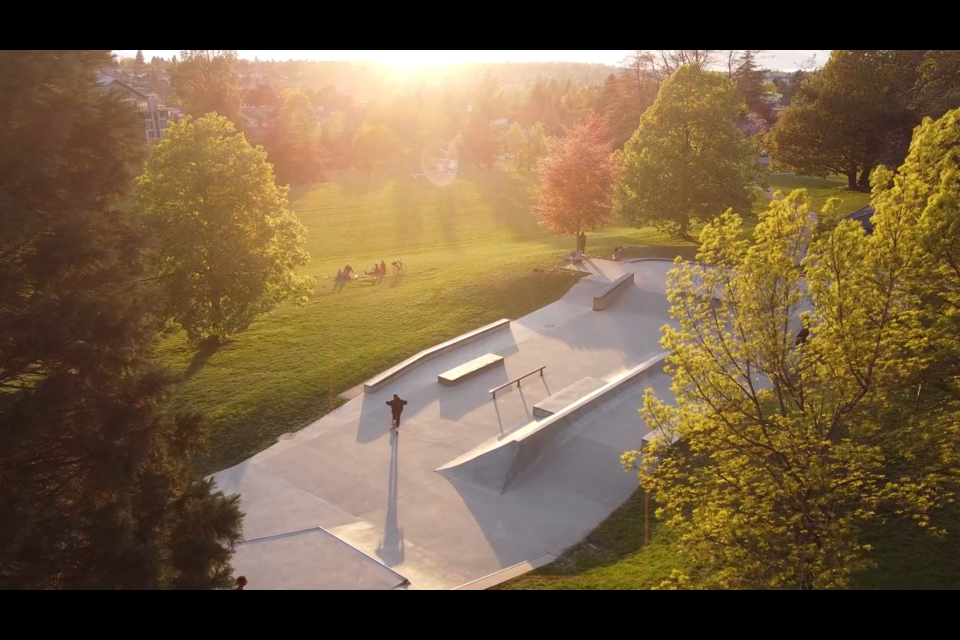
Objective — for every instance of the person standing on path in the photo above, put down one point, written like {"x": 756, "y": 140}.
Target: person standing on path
{"x": 396, "y": 407}
{"x": 582, "y": 242}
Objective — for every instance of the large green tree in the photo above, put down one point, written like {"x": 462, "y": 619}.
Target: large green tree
{"x": 786, "y": 448}
{"x": 206, "y": 81}
{"x": 293, "y": 141}
{"x": 96, "y": 489}
{"x": 856, "y": 113}
{"x": 687, "y": 161}
{"x": 227, "y": 242}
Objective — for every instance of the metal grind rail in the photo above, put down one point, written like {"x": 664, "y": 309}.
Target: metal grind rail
{"x": 493, "y": 392}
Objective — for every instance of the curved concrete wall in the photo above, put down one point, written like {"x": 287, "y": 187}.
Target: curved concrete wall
{"x": 377, "y": 382}
{"x": 606, "y": 297}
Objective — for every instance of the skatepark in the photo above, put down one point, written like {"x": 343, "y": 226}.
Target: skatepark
{"x": 508, "y": 451}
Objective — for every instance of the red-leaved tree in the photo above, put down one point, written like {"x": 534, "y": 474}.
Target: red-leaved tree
{"x": 576, "y": 182}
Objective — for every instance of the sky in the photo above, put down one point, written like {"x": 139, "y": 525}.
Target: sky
{"x": 773, "y": 59}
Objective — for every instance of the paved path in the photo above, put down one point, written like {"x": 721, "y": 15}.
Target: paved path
{"x": 380, "y": 494}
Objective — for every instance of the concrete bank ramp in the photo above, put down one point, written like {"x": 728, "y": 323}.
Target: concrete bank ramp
{"x": 308, "y": 560}
{"x": 496, "y": 464}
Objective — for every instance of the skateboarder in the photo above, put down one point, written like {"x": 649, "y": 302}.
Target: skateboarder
{"x": 396, "y": 407}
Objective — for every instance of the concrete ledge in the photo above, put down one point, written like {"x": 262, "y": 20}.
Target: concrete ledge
{"x": 565, "y": 397}
{"x": 470, "y": 369}
{"x": 496, "y": 464}
{"x": 606, "y": 297}
{"x": 509, "y": 573}
{"x": 377, "y": 382}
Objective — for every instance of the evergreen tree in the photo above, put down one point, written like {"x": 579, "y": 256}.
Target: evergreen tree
{"x": 228, "y": 244}
{"x": 138, "y": 61}
{"x": 95, "y": 483}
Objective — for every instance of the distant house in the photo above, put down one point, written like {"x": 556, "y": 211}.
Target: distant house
{"x": 155, "y": 115}
{"x": 864, "y": 216}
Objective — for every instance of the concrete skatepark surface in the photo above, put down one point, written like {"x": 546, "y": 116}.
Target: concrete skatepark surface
{"x": 346, "y": 504}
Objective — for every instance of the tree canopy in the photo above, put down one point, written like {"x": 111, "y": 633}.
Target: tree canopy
{"x": 293, "y": 141}
{"x": 373, "y": 145}
{"x": 206, "y": 81}
{"x": 96, "y": 489}
{"x": 859, "y": 111}
{"x": 576, "y": 180}
{"x": 786, "y": 448}
{"x": 687, "y": 161}
{"x": 227, "y": 242}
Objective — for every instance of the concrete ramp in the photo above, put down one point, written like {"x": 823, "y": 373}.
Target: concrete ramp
{"x": 565, "y": 397}
{"x": 497, "y": 463}
{"x": 311, "y": 559}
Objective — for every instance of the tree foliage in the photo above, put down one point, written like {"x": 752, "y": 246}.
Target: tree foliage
{"x": 373, "y": 145}
{"x": 517, "y": 143}
{"x": 785, "y": 452}
{"x": 576, "y": 181}
{"x": 687, "y": 161}
{"x": 537, "y": 146}
{"x": 228, "y": 244}
{"x": 859, "y": 111}
{"x": 206, "y": 81}
{"x": 96, "y": 489}
{"x": 293, "y": 141}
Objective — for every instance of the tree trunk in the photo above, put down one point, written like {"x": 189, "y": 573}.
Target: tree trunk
{"x": 852, "y": 180}
{"x": 864, "y": 182}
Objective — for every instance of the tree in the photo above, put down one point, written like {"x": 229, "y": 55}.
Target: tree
{"x": 537, "y": 146}
{"x": 687, "y": 161}
{"x": 263, "y": 95}
{"x": 206, "y": 81}
{"x": 293, "y": 143}
{"x": 748, "y": 78}
{"x": 517, "y": 143}
{"x": 850, "y": 117}
{"x": 138, "y": 61}
{"x": 333, "y": 137}
{"x": 96, "y": 490}
{"x": 938, "y": 89}
{"x": 373, "y": 145}
{"x": 228, "y": 244}
{"x": 785, "y": 452}
{"x": 576, "y": 181}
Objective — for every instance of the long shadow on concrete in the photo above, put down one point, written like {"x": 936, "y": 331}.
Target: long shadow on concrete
{"x": 391, "y": 547}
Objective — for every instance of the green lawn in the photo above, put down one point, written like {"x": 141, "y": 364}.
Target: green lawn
{"x": 474, "y": 254}
{"x": 819, "y": 190}
{"x": 613, "y": 557}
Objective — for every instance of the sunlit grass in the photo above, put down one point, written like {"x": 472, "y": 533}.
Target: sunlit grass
{"x": 474, "y": 254}
{"x": 471, "y": 247}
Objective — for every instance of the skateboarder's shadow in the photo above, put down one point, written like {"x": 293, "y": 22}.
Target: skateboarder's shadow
{"x": 391, "y": 547}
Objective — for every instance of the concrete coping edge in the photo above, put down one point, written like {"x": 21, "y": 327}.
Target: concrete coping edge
{"x": 606, "y": 297}
{"x": 378, "y": 381}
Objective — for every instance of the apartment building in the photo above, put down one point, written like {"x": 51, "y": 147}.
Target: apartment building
{"x": 155, "y": 115}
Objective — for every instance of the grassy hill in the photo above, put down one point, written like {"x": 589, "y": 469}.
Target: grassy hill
{"x": 474, "y": 252}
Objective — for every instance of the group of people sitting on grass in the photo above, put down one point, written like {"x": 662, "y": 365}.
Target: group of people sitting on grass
{"x": 378, "y": 271}
{"x": 346, "y": 274}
